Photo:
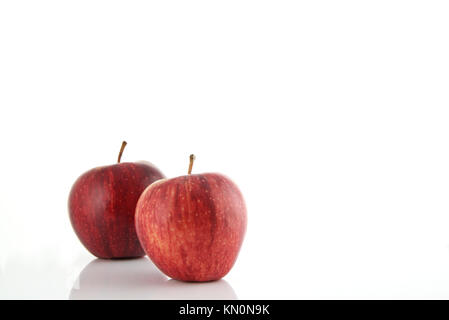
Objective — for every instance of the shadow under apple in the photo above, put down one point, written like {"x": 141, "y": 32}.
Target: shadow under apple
{"x": 140, "y": 279}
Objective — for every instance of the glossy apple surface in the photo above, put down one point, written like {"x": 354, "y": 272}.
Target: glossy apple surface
{"x": 192, "y": 227}
{"x": 102, "y": 205}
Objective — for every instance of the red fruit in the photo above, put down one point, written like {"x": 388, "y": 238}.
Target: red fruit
{"x": 102, "y": 205}
{"x": 192, "y": 227}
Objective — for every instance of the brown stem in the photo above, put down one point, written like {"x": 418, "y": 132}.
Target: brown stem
{"x": 121, "y": 151}
{"x": 192, "y": 158}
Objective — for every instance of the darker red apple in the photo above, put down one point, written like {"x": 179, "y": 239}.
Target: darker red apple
{"x": 102, "y": 205}
{"x": 192, "y": 227}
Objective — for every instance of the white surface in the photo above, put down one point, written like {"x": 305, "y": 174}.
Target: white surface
{"x": 332, "y": 117}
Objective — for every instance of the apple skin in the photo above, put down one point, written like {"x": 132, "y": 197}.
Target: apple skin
{"x": 102, "y": 205}
{"x": 192, "y": 227}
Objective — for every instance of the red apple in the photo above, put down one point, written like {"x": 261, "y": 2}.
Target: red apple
{"x": 192, "y": 227}
{"x": 102, "y": 205}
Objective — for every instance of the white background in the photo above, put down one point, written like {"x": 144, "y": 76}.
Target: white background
{"x": 331, "y": 116}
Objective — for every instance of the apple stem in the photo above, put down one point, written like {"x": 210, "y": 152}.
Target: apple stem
{"x": 192, "y": 158}
{"x": 121, "y": 151}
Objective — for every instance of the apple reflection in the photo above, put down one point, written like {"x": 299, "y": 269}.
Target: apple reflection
{"x": 140, "y": 279}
